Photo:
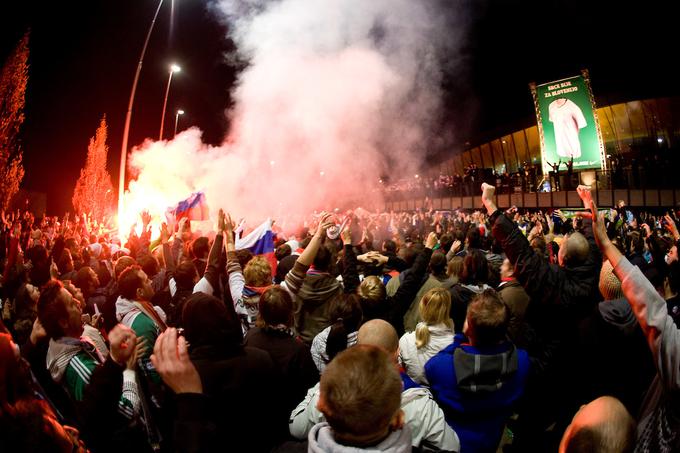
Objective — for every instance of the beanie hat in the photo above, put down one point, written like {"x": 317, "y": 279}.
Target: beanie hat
{"x": 610, "y": 285}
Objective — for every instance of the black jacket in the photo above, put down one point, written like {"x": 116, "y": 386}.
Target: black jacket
{"x": 560, "y": 296}
{"x": 291, "y": 357}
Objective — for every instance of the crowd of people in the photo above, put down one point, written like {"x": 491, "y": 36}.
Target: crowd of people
{"x": 460, "y": 331}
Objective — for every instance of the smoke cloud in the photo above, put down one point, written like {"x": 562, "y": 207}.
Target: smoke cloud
{"x": 335, "y": 94}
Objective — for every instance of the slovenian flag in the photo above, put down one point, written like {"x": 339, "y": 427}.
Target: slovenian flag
{"x": 194, "y": 208}
{"x": 260, "y": 241}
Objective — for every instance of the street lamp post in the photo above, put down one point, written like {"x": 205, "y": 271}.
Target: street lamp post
{"x": 179, "y": 112}
{"x": 173, "y": 69}
{"x": 128, "y": 117}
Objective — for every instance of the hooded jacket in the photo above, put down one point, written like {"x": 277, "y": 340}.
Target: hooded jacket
{"x": 313, "y": 290}
{"x": 477, "y": 388}
{"x": 242, "y": 384}
{"x": 321, "y": 440}
{"x": 414, "y": 359}
{"x": 424, "y": 418}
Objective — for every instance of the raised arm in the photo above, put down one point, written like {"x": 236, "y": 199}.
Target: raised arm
{"x": 650, "y": 309}
{"x": 350, "y": 275}
{"x": 297, "y": 274}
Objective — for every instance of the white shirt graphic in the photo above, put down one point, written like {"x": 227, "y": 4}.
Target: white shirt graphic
{"x": 567, "y": 119}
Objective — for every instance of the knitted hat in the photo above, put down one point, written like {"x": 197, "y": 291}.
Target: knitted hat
{"x": 610, "y": 285}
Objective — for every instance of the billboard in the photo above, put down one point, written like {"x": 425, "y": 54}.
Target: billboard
{"x": 567, "y": 123}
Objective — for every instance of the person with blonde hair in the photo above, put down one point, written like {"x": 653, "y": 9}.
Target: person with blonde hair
{"x": 432, "y": 334}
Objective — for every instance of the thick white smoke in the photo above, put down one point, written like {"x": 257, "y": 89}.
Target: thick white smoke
{"x": 331, "y": 88}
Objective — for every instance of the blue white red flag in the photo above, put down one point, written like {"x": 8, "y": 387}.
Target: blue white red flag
{"x": 194, "y": 208}
{"x": 260, "y": 241}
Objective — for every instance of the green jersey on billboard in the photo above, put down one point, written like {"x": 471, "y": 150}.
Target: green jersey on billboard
{"x": 567, "y": 123}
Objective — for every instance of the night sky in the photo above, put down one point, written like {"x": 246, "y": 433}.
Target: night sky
{"x": 84, "y": 55}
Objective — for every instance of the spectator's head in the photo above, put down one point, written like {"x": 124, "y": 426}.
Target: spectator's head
{"x": 538, "y": 244}
{"x": 323, "y": 258}
{"x": 574, "y": 250}
{"x": 186, "y": 275}
{"x": 11, "y": 376}
{"x": 486, "y": 323}
{"x": 346, "y": 315}
{"x": 149, "y": 265}
{"x": 258, "y": 272}
{"x": 59, "y": 312}
{"x": 507, "y": 271}
{"x": 389, "y": 247}
{"x": 210, "y": 327}
{"x": 87, "y": 280}
{"x": 438, "y": 264}
{"x": 134, "y": 284}
{"x": 473, "y": 239}
{"x": 455, "y": 267}
{"x": 435, "y": 308}
{"x": 200, "y": 248}
{"x": 65, "y": 263}
{"x": 601, "y": 426}
{"x": 475, "y": 268}
{"x": 275, "y": 308}
{"x": 445, "y": 242}
{"x": 282, "y": 251}
{"x": 372, "y": 293}
{"x": 378, "y": 332}
{"x": 29, "y": 425}
{"x": 123, "y": 263}
{"x": 360, "y": 396}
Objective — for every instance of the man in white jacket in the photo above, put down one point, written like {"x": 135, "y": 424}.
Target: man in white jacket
{"x": 424, "y": 417}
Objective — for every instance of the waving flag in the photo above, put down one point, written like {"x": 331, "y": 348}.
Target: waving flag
{"x": 194, "y": 208}
{"x": 260, "y": 241}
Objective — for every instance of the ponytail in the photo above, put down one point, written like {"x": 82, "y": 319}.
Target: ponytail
{"x": 422, "y": 335}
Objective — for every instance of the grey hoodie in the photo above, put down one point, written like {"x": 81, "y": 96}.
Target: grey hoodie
{"x": 321, "y": 440}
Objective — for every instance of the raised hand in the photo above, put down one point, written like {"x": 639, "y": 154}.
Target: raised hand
{"x": 137, "y": 352}
{"x": 325, "y": 222}
{"x": 221, "y": 221}
{"x": 488, "y": 192}
{"x": 431, "y": 240}
{"x": 585, "y": 195}
{"x": 123, "y": 342}
{"x": 672, "y": 227}
{"x": 346, "y": 235}
{"x": 165, "y": 233}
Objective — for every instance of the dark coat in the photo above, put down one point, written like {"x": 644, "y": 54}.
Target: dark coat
{"x": 291, "y": 357}
{"x": 243, "y": 386}
{"x": 560, "y": 296}
{"x": 517, "y": 300}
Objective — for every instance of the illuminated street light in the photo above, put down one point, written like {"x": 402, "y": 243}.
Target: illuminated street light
{"x": 173, "y": 69}
{"x": 128, "y": 116}
{"x": 179, "y": 112}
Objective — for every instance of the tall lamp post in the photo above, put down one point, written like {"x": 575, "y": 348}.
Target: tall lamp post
{"x": 179, "y": 112}
{"x": 173, "y": 69}
{"x": 128, "y": 117}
